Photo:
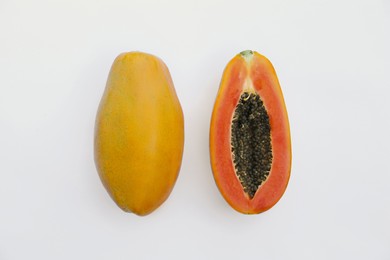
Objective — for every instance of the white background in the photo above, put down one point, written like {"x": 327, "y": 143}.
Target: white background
{"x": 332, "y": 59}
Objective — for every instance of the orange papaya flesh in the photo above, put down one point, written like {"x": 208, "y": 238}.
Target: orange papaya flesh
{"x": 250, "y": 144}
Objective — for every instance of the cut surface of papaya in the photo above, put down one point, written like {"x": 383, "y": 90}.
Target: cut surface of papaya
{"x": 139, "y": 133}
{"x": 250, "y": 144}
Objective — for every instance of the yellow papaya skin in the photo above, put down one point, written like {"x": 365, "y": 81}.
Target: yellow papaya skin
{"x": 139, "y": 133}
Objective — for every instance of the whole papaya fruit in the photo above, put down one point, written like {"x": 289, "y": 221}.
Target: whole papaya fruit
{"x": 139, "y": 133}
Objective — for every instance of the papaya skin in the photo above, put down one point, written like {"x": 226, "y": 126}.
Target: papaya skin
{"x": 139, "y": 133}
{"x": 251, "y": 72}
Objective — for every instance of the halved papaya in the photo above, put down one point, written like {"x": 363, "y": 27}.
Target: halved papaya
{"x": 250, "y": 145}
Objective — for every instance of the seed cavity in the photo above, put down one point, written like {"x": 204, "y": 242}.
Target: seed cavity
{"x": 251, "y": 142}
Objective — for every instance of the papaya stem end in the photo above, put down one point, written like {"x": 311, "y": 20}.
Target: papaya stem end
{"x": 247, "y": 55}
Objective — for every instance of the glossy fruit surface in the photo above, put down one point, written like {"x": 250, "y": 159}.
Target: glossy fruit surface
{"x": 139, "y": 133}
{"x": 250, "y": 146}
